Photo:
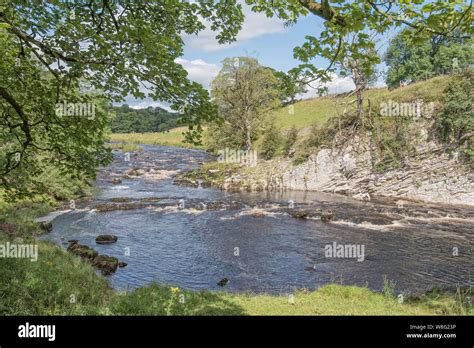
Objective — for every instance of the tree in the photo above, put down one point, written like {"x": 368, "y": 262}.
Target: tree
{"x": 289, "y": 87}
{"x": 149, "y": 119}
{"x": 455, "y": 121}
{"x": 406, "y": 61}
{"x": 53, "y": 52}
{"x": 272, "y": 141}
{"x": 410, "y": 61}
{"x": 244, "y": 92}
{"x": 346, "y": 19}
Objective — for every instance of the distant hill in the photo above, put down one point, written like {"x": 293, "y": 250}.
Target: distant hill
{"x": 151, "y": 119}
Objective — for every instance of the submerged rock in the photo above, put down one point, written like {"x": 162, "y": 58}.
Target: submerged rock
{"x": 150, "y": 199}
{"x": 101, "y": 208}
{"x": 120, "y": 199}
{"x": 106, "y": 239}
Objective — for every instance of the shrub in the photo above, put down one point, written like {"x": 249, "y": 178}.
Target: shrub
{"x": 272, "y": 142}
{"x": 290, "y": 140}
{"x": 455, "y": 122}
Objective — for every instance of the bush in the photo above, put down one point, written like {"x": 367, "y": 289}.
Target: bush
{"x": 291, "y": 138}
{"x": 455, "y": 122}
{"x": 272, "y": 142}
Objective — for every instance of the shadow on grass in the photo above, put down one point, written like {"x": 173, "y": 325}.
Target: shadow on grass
{"x": 160, "y": 300}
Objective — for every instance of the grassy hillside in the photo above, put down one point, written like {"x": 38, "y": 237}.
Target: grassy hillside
{"x": 306, "y": 113}
{"x": 318, "y": 110}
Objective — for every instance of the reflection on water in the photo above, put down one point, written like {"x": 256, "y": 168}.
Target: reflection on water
{"x": 251, "y": 239}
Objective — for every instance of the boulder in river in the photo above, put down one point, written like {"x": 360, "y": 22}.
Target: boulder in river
{"x": 223, "y": 282}
{"x": 106, "y": 264}
{"x": 327, "y": 215}
{"x": 106, "y": 239}
{"x": 186, "y": 182}
{"x": 122, "y": 264}
{"x": 299, "y": 214}
{"x": 106, "y": 207}
{"x": 82, "y": 251}
{"x": 120, "y": 199}
{"x": 46, "y": 226}
{"x": 116, "y": 181}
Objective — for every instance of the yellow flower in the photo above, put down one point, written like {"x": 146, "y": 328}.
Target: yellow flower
{"x": 174, "y": 290}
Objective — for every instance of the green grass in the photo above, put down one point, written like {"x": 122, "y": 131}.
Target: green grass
{"x": 319, "y": 110}
{"x": 125, "y": 147}
{"x": 62, "y": 284}
{"x": 172, "y": 138}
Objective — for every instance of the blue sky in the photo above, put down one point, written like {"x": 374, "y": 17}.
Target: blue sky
{"x": 266, "y": 39}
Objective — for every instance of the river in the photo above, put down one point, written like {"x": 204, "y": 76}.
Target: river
{"x": 174, "y": 238}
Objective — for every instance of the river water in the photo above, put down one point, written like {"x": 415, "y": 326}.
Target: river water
{"x": 251, "y": 239}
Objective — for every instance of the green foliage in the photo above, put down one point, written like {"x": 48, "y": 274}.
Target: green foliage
{"x": 128, "y": 120}
{"x": 244, "y": 92}
{"x": 455, "y": 122}
{"x": 346, "y": 41}
{"x": 69, "y": 53}
{"x": 289, "y": 87}
{"x": 411, "y": 59}
{"x": 172, "y": 137}
{"x": 272, "y": 142}
{"x": 125, "y": 147}
{"x": 290, "y": 139}
{"x": 407, "y": 62}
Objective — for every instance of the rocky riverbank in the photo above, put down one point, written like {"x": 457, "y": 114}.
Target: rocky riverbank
{"x": 433, "y": 175}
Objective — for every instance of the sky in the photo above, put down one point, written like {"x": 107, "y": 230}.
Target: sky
{"x": 266, "y": 39}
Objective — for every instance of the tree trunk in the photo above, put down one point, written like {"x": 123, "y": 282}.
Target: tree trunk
{"x": 360, "y": 100}
{"x": 248, "y": 138}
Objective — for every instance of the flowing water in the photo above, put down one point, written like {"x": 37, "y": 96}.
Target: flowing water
{"x": 194, "y": 237}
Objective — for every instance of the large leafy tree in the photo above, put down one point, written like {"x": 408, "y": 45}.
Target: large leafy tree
{"x": 244, "y": 92}
{"x": 52, "y": 50}
{"x": 410, "y": 61}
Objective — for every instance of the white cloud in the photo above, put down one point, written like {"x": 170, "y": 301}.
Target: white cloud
{"x": 199, "y": 71}
{"x": 255, "y": 25}
{"x": 145, "y": 103}
{"x": 338, "y": 84}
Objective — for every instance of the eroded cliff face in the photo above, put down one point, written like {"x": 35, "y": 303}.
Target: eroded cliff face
{"x": 432, "y": 175}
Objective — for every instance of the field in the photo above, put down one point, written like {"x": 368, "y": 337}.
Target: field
{"x": 172, "y": 138}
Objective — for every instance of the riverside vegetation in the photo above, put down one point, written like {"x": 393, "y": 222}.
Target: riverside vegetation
{"x": 47, "y": 159}
{"x": 61, "y": 283}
